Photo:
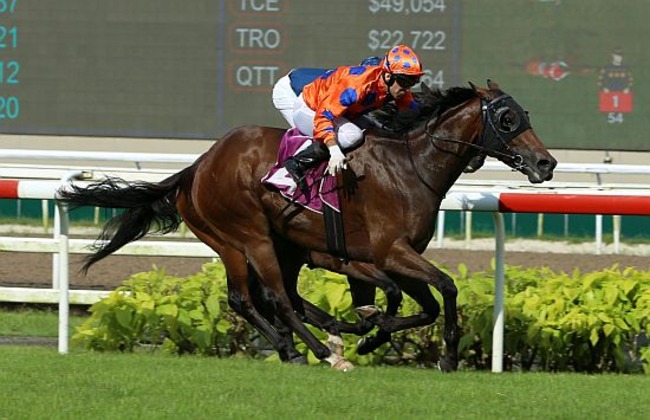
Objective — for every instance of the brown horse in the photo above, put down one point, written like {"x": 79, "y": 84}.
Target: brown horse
{"x": 399, "y": 179}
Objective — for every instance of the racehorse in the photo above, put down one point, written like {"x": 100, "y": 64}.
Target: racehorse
{"x": 399, "y": 180}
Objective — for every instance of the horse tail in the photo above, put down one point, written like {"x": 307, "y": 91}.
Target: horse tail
{"x": 148, "y": 207}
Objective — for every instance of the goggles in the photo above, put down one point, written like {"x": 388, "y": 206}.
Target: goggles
{"x": 406, "y": 81}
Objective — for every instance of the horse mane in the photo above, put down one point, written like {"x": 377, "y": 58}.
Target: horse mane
{"x": 433, "y": 103}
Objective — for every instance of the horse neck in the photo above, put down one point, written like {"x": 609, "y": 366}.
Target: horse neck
{"x": 441, "y": 163}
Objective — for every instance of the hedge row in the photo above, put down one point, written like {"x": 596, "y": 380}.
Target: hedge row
{"x": 582, "y": 322}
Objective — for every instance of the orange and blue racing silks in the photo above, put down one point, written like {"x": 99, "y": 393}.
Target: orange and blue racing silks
{"x": 348, "y": 91}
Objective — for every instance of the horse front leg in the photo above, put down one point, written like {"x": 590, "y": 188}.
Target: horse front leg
{"x": 403, "y": 260}
{"x": 363, "y": 279}
{"x": 420, "y": 292}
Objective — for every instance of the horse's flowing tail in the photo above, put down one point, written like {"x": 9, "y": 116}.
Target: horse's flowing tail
{"x": 147, "y": 207}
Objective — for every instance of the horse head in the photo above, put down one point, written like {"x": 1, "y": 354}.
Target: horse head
{"x": 508, "y": 136}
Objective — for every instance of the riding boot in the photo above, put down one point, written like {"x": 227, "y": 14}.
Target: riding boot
{"x": 306, "y": 159}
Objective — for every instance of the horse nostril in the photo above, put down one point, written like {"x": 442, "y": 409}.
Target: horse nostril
{"x": 547, "y": 165}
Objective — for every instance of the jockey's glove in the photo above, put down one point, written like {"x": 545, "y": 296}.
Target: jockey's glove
{"x": 337, "y": 160}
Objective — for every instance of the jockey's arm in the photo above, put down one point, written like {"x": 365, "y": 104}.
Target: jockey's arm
{"x": 328, "y": 110}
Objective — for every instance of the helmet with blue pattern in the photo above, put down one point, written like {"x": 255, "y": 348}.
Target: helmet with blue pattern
{"x": 403, "y": 64}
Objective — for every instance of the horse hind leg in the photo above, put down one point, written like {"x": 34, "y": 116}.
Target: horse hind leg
{"x": 286, "y": 350}
{"x": 242, "y": 301}
{"x": 262, "y": 256}
{"x": 259, "y": 252}
{"x": 240, "y": 298}
{"x": 291, "y": 259}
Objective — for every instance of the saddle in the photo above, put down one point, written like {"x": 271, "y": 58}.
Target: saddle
{"x": 322, "y": 195}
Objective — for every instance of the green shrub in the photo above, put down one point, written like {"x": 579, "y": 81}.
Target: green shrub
{"x": 589, "y": 322}
{"x": 592, "y": 322}
{"x": 152, "y": 309}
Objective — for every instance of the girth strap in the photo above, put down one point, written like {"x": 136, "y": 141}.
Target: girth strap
{"x": 334, "y": 233}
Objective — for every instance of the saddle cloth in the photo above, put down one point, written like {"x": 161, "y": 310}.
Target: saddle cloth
{"x": 322, "y": 187}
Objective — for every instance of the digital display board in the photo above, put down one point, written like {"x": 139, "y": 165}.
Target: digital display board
{"x": 195, "y": 69}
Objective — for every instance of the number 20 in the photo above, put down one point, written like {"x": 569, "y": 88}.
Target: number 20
{"x": 9, "y": 107}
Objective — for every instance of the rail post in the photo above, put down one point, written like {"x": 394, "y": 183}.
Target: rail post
{"x": 64, "y": 281}
{"x": 499, "y": 294}
{"x": 60, "y": 262}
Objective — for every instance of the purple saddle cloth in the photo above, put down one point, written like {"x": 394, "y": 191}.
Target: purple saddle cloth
{"x": 322, "y": 187}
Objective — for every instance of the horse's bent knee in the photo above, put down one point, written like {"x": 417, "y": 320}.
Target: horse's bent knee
{"x": 448, "y": 289}
{"x": 451, "y": 291}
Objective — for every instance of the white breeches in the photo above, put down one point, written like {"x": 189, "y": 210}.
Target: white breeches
{"x": 284, "y": 98}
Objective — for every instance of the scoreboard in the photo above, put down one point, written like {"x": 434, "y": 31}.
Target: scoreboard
{"x": 194, "y": 68}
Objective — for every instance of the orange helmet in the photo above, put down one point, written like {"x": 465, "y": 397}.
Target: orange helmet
{"x": 403, "y": 60}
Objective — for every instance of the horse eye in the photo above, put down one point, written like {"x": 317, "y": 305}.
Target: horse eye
{"x": 508, "y": 120}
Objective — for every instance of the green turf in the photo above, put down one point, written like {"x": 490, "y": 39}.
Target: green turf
{"x": 38, "y": 383}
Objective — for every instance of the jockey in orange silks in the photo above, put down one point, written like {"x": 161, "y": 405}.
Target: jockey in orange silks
{"x": 327, "y": 106}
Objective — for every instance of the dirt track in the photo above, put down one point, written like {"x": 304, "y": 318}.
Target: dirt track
{"x": 35, "y": 270}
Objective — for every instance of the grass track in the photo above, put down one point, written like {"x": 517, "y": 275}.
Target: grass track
{"x": 38, "y": 383}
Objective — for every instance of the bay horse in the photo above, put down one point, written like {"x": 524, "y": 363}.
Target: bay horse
{"x": 399, "y": 180}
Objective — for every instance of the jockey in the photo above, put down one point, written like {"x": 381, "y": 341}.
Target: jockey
{"x": 326, "y": 106}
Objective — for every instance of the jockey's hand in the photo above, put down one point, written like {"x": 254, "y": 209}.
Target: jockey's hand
{"x": 337, "y": 160}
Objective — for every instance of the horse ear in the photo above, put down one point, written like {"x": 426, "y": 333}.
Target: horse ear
{"x": 480, "y": 92}
{"x": 492, "y": 85}
{"x": 425, "y": 89}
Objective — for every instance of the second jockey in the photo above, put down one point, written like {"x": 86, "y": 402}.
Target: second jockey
{"x": 327, "y": 107}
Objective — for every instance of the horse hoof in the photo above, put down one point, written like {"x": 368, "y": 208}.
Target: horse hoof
{"x": 446, "y": 366}
{"x": 298, "y": 360}
{"x": 343, "y": 365}
{"x": 340, "y": 363}
{"x": 368, "y": 311}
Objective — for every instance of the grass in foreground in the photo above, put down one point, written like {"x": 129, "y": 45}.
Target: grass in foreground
{"x": 39, "y": 383}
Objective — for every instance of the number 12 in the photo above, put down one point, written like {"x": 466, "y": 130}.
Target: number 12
{"x": 9, "y": 72}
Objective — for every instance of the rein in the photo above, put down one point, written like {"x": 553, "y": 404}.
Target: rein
{"x": 417, "y": 173}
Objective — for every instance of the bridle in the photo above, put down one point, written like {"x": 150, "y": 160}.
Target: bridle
{"x": 503, "y": 120}
{"x": 495, "y": 141}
